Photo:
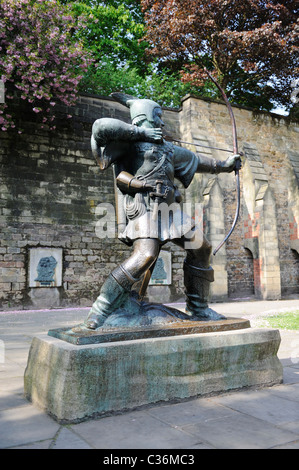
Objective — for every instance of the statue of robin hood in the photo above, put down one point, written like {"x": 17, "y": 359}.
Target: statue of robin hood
{"x": 145, "y": 166}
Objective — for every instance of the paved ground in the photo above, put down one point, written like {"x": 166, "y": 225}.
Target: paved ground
{"x": 264, "y": 418}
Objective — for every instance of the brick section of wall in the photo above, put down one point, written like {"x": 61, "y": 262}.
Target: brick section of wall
{"x": 294, "y": 233}
{"x": 268, "y": 139}
{"x": 252, "y": 227}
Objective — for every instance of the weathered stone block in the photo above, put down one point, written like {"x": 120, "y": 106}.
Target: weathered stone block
{"x": 44, "y": 297}
{"x": 72, "y": 382}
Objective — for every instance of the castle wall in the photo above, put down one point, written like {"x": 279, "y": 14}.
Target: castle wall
{"x": 52, "y": 193}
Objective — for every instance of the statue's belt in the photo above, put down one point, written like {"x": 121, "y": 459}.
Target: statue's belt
{"x": 158, "y": 189}
{"x": 157, "y": 193}
{"x": 161, "y": 190}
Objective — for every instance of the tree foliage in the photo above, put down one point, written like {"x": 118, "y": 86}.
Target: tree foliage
{"x": 114, "y": 38}
{"x": 250, "y": 45}
{"x": 52, "y": 49}
{"x": 39, "y": 56}
{"x": 115, "y": 31}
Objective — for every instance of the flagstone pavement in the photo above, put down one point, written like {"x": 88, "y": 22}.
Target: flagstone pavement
{"x": 265, "y": 418}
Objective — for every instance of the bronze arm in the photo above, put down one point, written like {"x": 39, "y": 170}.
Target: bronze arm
{"x": 130, "y": 184}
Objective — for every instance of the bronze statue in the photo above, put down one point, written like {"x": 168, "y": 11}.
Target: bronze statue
{"x": 145, "y": 166}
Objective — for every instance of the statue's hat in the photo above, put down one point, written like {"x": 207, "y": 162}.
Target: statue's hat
{"x": 138, "y": 107}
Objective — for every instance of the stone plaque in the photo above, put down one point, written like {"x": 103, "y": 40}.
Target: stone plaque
{"x": 45, "y": 267}
{"x": 162, "y": 272}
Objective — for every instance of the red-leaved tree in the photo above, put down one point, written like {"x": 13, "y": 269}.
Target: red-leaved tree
{"x": 249, "y": 45}
{"x": 39, "y": 57}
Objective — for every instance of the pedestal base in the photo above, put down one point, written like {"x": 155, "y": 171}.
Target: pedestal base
{"x": 81, "y": 335}
{"x": 75, "y": 382}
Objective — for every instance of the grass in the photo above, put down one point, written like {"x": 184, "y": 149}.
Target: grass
{"x": 285, "y": 320}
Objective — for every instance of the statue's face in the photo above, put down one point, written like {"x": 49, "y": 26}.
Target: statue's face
{"x": 157, "y": 116}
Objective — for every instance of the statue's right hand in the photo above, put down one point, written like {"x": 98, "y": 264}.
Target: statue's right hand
{"x": 153, "y": 135}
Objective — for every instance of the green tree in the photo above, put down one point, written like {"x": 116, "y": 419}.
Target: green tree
{"x": 114, "y": 38}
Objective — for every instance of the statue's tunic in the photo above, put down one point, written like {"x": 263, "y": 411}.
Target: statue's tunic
{"x": 148, "y": 216}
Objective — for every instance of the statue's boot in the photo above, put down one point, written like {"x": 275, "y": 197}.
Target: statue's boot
{"x": 114, "y": 292}
{"x": 197, "y": 288}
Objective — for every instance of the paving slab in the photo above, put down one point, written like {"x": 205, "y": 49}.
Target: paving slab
{"x": 194, "y": 411}
{"x": 262, "y": 404}
{"x": 40, "y": 445}
{"x": 135, "y": 430}
{"x": 11, "y": 393}
{"x": 290, "y": 446}
{"x": 291, "y": 375}
{"x": 10, "y": 369}
{"x": 240, "y": 431}
{"x": 293, "y": 426}
{"x": 289, "y": 392}
{"x": 67, "y": 439}
{"x": 25, "y": 425}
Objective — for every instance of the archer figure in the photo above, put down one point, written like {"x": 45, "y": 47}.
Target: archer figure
{"x": 145, "y": 167}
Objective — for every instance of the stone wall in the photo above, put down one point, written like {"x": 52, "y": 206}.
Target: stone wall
{"x": 264, "y": 246}
{"x": 50, "y": 188}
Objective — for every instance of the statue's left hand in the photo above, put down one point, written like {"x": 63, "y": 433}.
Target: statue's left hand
{"x": 230, "y": 163}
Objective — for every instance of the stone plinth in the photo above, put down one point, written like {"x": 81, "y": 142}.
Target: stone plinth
{"x": 81, "y": 335}
{"x": 75, "y": 382}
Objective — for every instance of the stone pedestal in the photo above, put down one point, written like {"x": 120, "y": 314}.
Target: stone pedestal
{"x": 74, "y": 382}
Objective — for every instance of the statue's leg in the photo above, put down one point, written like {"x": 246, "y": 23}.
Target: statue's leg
{"x": 198, "y": 275}
{"x": 118, "y": 285}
